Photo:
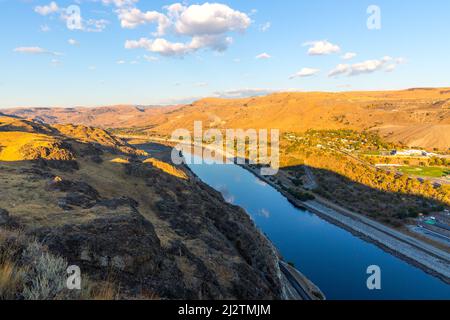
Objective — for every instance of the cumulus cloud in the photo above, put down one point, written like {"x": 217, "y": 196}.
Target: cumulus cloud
{"x": 35, "y": 51}
{"x": 131, "y": 18}
{"x": 160, "y": 45}
{"x": 72, "y": 42}
{"x": 323, "y": 47}
{"x": 305, "y": 72}
{"x": 349, "y": 56}
{"x": 207, "y": 26}
{"x": 340, "y": 69}
{"x": 210, "y": 18}
{"x": 386, "y": 63}
{"x": 52, "y": 7}
{"x": 368, "y": 66}
{"x": 263, "y": 56}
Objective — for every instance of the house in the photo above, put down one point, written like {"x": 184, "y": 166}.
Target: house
{"x": 410, "y": 153}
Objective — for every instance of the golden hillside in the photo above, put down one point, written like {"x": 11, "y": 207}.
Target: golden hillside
{"x": 138, "y": 227}
{"x": 25, "y": 140}
{"x": 415, "y": 117}
{"x": 419, "y": 117}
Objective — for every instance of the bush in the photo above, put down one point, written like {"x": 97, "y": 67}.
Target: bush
{"x": 46, "y": 278}
{"x": 302, "y": 196}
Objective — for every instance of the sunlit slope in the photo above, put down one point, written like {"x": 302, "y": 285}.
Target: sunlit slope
{"x": 416, "y": 117}
{"x": 25, "y": 140}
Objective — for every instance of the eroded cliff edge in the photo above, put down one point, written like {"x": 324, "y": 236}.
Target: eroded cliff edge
{"x": 146, "y": 227}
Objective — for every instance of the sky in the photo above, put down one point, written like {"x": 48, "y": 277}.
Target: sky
{"x": 167, "y": 52}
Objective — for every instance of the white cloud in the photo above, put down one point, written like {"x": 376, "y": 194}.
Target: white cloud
{"x": 52, "y": 7}
{"x": 45, "y": 28}
{"x": 207, "y": 26}
{"x": 94, "y": 25}
{"x": 121, "y": 62}
{"x": 73, "y": 42}
{"x": 266, "y": 26}
{"x": 391, "y": 67}
{"x": 210, "y": 18}
{"x": 56, "y": 63}
{"x": 35, "y": 50}
{"x": 349, "y": 56}
{"x": 150, "y": 58}
{"x": 263, "y": 56}
{"x": 201, "y": 84}
{"x": 167, "y": 48}
{"x": 305, "y": 72}
{"x": 368, "y": 66}
{"x": 340, "y": 69}
{"x": 322, "y": 47}
{"x": 161, "y": 46}
{"x": 131, "y": 18}
{"x": 386, "y": 63}
{"x": 120, "y": 3}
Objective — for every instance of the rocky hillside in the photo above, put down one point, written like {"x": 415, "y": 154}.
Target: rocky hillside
{"x": 415, "y": 117}
{"x": 136, "y": 226}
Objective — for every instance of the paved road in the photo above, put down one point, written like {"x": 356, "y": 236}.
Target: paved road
{"x": 389, "y": 231}
{"x": 292, "y": 279}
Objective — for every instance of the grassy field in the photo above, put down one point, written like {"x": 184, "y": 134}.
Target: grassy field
{"x": 432, "y": 172}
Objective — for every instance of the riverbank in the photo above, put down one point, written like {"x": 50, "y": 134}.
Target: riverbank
{"x": 295, "y": 285}
{"x": 413, "y": 251}
{"x": 409, "y": 254}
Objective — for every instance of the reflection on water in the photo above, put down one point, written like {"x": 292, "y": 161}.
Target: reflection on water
{"x": 331, "y": 257}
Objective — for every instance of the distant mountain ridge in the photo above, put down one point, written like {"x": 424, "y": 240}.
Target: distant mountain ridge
{"x": 416, "y": 117}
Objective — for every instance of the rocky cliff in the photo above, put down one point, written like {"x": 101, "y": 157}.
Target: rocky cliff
{"x": 144, "y": 227}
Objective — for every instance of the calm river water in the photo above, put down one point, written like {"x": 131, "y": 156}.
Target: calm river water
{"x": 331, "y": 257}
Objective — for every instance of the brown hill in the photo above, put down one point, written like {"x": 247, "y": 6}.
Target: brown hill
{"x": 416, "y": 117}
{"x": 105, "y": 117}
{"x": 137, "y": 226}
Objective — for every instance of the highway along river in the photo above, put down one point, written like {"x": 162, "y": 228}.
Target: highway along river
{"x": 333, "y": 258}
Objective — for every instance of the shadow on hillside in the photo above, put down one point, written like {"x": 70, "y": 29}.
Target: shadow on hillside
{"x": 394, "y": 204}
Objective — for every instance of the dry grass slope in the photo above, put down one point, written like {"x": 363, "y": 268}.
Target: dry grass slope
{"x": 415, "y": 117}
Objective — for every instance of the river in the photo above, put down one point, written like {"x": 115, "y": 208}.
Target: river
{"x": 333, "y": 258}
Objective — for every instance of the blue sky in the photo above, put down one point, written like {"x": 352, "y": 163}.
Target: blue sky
{"x": 163, "y": 52}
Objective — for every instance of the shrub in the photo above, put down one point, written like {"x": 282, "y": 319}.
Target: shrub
{"x": 47, "y": 275}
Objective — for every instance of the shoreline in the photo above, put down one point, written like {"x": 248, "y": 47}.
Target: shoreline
{"x": 290, "y": 292}
{"x": 405, "y": 251}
